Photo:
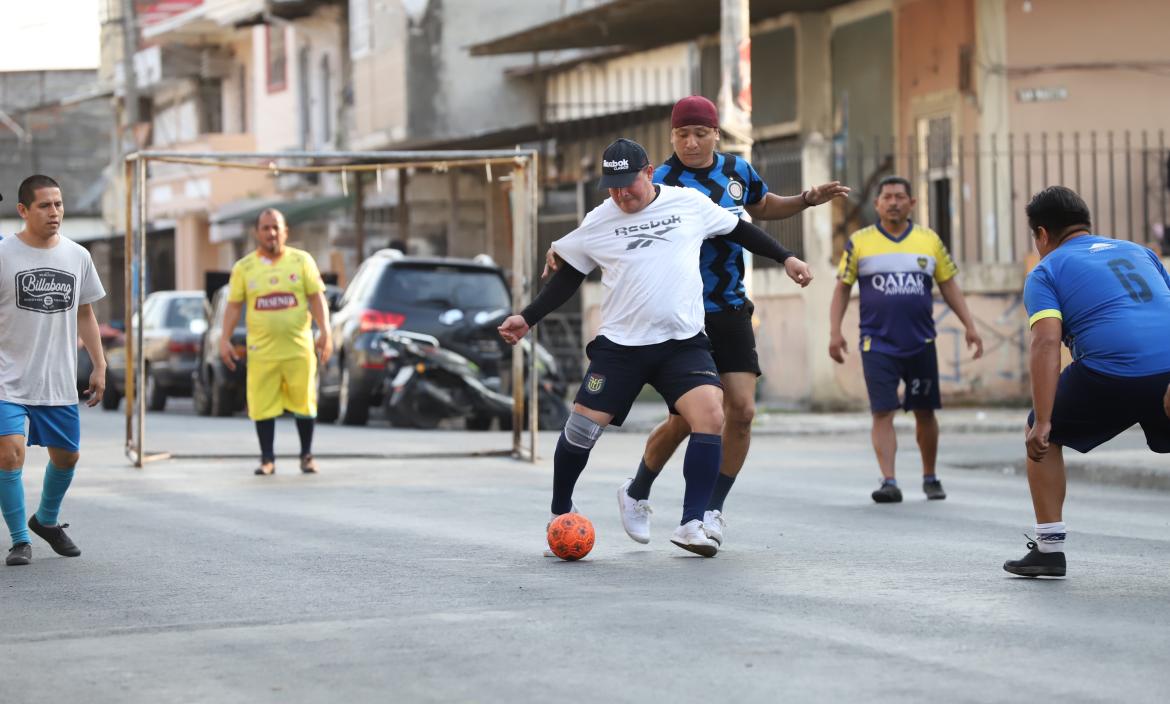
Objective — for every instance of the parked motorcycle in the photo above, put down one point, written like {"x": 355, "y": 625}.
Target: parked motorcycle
{"x": 426, "y": 383}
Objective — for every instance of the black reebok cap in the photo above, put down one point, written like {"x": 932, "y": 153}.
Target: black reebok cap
{"x": 621, "y": 162}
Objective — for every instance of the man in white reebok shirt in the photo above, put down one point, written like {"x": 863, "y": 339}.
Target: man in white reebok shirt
{"x": 47, "y": 287}
{"x": 645, "y": 238}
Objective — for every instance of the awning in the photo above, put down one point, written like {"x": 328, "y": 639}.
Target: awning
{"x": 641, "y": 24}
{"x": 233, "y": 220}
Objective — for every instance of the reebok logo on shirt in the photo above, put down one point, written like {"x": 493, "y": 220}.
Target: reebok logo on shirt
{"x": 45, "y": 290}
{"x": 642, "y": 238}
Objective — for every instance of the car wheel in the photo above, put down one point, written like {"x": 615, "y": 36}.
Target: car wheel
{"x": 479, "y": 421}
{"x": 111, "y": 399}
{"x": 156, "y": 395}
{"x": 201, "y": 398}
{"x": 352, "y": 403}
{"x": 222, "y": 402}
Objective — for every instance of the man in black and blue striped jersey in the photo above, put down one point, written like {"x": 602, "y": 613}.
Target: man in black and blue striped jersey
{"x": 732, "y": 183}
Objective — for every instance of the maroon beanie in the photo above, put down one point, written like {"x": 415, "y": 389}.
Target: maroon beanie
{"x": 694, "y": 110}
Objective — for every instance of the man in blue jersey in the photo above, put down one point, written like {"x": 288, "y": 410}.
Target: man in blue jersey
{"x": 731, "y": 183}
{"x": 1109, "y": 300}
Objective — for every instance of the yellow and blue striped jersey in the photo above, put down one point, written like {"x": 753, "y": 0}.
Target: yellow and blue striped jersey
{"x": 896, "y": 275}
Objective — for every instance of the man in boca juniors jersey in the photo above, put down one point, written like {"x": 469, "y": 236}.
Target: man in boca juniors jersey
{"x": 896, "y": 263}
{"x": 281, "y": 288}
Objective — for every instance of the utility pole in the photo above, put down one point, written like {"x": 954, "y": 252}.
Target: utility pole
{"x": 129, "y": 78}
{"x": 735, "y": 85}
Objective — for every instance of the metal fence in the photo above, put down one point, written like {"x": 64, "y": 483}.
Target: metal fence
{"x": 972, "y": 189}
{"x": 778, "y": 162}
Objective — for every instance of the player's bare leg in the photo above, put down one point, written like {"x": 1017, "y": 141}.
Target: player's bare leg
{"x": 739, "y": 410}
{"x": 885, "y": 447}
{"x": 1047, "y": 482}
{"x": 926, "y": 429}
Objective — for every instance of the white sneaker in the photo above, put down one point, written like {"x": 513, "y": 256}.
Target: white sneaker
{"x": 713, "y": 525}
{"x": 635, "y": 514}
{"x": 548, "y": 550}
{"x": 691, "y": 536}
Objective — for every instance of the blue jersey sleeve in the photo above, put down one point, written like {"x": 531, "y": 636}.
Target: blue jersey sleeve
{"x": 756, "y": 189}
{"x": 1158, "y": 265}
{"x": 1040, "y": 296}
{"x": 660, "y": 174}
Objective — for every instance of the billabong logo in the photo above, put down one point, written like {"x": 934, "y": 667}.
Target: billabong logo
{"x": 594, "y": 383}
{"x": 276, "y": 301}
{"x": 45, "y": 290}
{"x": 622, "y": 164}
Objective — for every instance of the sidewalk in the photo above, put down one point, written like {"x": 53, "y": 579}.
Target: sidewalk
{"x": 972, "y": 438}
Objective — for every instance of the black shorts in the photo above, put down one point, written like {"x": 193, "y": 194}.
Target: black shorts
{"x": 919, "y": 371}
{"x": 733, "y": 341}
{"x": 617, "y": 373}
{"x": 1092, "y": 408}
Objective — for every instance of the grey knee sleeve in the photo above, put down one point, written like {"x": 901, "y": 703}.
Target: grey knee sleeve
{"x": 581, "y": 431}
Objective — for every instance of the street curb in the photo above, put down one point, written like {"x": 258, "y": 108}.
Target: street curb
{"x": 1105, "y": 473}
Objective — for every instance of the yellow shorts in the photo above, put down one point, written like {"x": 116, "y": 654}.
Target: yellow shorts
{"x": 282, "y": 385}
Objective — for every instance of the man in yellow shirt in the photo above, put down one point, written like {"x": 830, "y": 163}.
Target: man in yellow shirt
{"x": 281, "y": 288}
{"x": 896, "y": 262}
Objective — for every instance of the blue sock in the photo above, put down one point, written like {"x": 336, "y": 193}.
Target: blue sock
{"x": 57, "y": 481}
{"x": 12, "y": 504}
{"x": 568, "y": 463}
{"x": 928, "y": 478}
{"x": 700, "y": 469}
{"x": 890, "y": 482}
{"x": 722, "y": 486}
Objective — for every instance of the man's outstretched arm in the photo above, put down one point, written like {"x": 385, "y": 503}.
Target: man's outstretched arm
{"x": 554, "y": 295}
{"x": 777, "y": 207}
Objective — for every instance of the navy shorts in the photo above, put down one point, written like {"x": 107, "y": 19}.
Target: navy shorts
{"x": 1092, "y": 408}
{"x": 617, "y": 373}
{"x": 919, "y": 372}
{"x": 48, "y": 426}
{"x": 733, "y": 340}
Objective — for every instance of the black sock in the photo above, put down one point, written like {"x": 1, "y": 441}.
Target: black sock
{"x": 722, "y": 486}
{"x": 640, "y": 488}
{"x": 700, "y": 468}
{"x": 266, "y": 431}
{"x": 305, "y": 430}
{"x": 568, "y": 463}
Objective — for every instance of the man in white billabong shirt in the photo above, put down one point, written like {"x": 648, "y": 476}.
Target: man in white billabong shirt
{"x": 48, "y": 285}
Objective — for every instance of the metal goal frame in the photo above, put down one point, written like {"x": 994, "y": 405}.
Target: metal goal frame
{"x": 518, "y": 166}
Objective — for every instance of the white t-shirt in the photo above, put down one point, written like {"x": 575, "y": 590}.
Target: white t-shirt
{"x": 649, "y": 263}
{"x": 40, "y": 291}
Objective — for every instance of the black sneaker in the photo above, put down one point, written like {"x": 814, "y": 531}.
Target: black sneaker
{"x": 20, "y": 554}
{"x": 55, "y": 537}
{"x": 887, "y": 494}
{"x": 934, "y": 490}
{"x": 1036, "y": 563}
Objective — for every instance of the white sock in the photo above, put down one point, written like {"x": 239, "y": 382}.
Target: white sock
{"x": 1050, "y": 537}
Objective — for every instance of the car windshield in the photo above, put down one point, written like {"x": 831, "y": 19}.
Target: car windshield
{"x": 443, "y": 287}
{"x": 182, "y": 311}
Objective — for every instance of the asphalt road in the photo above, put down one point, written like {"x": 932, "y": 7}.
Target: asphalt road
{"x": 416, "y": 580}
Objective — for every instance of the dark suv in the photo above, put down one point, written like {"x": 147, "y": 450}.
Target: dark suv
{"x": 390, "y": 291}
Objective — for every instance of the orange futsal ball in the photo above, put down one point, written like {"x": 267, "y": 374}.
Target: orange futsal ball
{"x": 570, "y": 536}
